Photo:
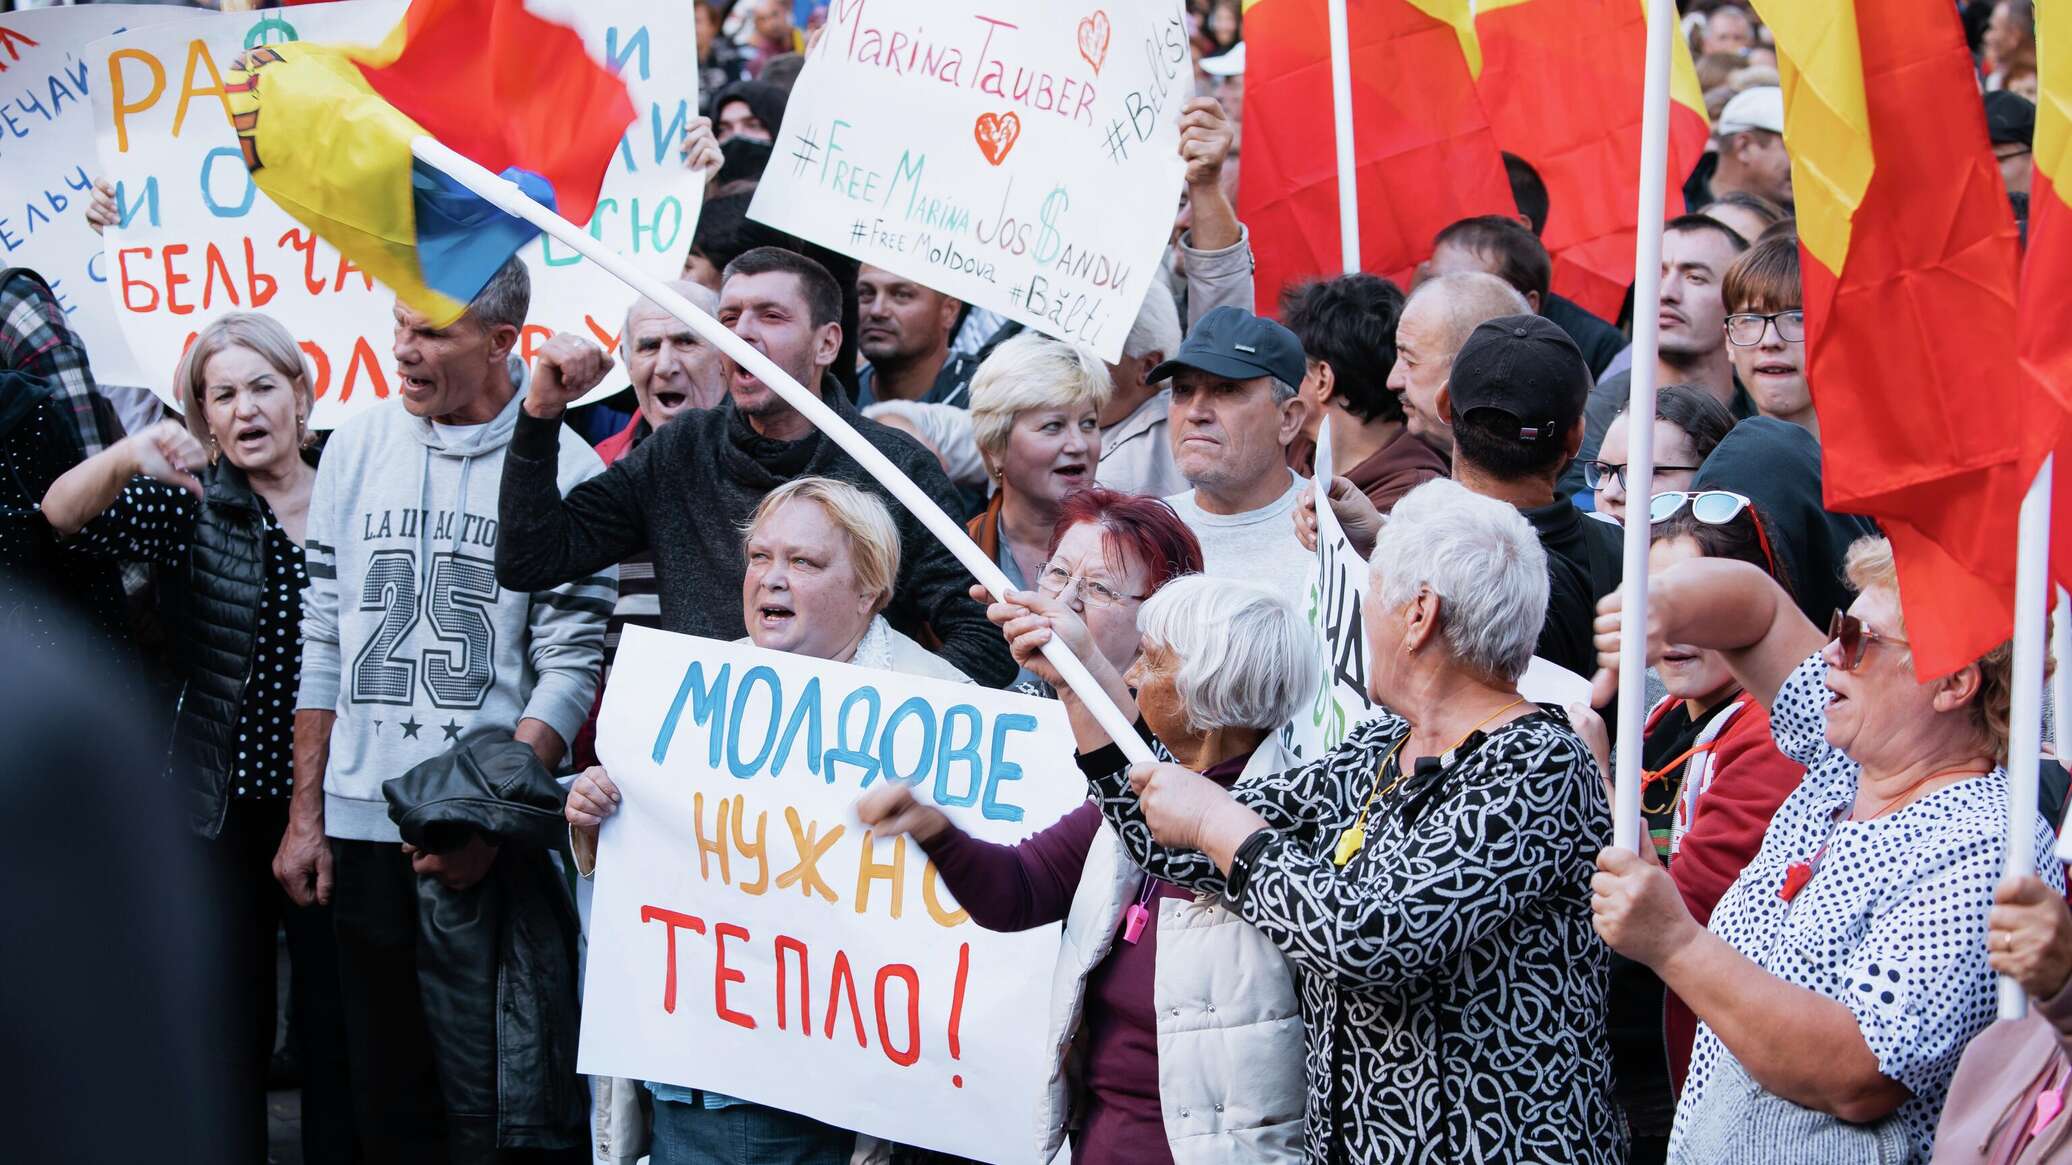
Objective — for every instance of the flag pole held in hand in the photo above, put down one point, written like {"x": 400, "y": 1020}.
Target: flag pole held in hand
{"x": 1640, "y": 439}
{"x": 2032, "y": 594}
{"x": 508, "y": 198}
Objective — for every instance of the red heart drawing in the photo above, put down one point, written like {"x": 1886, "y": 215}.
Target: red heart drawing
{"x": 996, "y": 134}
{"x": 1093, "y": 40}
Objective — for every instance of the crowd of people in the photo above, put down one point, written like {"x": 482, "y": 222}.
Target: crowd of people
{"x": 377, "y": 656}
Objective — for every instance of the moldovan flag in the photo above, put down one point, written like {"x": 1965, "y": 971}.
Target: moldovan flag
{"x": 2042, "y": 341}
{"x": 1563, "y": 83}
{"x": 1910, "y": 261}
{"x": 1425, "y": 153}
{"x": 326, "y": 131}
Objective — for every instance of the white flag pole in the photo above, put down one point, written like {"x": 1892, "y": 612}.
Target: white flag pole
{"x": 2025, "y": 719}
{"x": 2061, "y": 678}
{"x": 507, "y": 197}
{"x": 1640, "y": 429}
{"x": 1342, "y": 121}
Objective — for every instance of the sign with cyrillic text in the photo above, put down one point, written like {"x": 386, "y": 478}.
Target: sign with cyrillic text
{"x": 198, "y": 238}
{"x": 47, "y": 153}
{"x": 749, "y": 936}
{"x": 1023, "y": 158}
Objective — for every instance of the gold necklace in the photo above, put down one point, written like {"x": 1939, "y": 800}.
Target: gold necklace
{"x": 1354, "y": 839}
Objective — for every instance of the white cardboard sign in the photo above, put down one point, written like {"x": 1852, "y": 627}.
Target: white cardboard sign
{"x": 1337, "y": 592}
{"x": 747, "y": 937}
{"x": 47, "y": 153}
{"x": 1023, "y": 158}
{"x": 199, "y": 238}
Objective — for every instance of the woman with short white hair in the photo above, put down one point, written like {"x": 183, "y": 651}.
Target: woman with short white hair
{"x": 1175, "y": 1034}
{"x": 1035, "y": 415}
{"x": 1430, "y": 876}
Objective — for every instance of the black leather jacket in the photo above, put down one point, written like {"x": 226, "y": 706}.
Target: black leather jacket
{"x": 496, "y": 963}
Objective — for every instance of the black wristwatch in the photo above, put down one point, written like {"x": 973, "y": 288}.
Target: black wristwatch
{"x": 1241, "y": 862}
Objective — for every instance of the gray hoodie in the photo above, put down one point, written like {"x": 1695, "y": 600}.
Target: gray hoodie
{"x": 405, "y": 632}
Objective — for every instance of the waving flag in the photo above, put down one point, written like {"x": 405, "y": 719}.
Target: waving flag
{"x": 2042, "y": 342}
{"x": 1910, "y": 261}
{"x": 1562, "y": 82}
{"x": 326, "y": 131}
{"x": 1424, "y": 150}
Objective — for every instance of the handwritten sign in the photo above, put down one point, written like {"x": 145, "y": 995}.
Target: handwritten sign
{"x": 1022, "y": 158}
{"x": 745, "y": 925}
{"x": 1337, "y": 594}
{"x": 1337, "y": 590}
{"x": 198, "y": 238}
{"x": 47, "y": 153}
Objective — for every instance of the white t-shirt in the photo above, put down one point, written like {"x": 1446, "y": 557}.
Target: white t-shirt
{"x": 1257, "y": 546}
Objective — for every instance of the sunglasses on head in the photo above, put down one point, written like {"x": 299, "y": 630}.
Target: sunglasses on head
{"x": 1856, "y": 639}
{"x": 1714, "y": 507}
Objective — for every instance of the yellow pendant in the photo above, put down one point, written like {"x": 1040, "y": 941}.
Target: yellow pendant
{"x": 1349, "y": 843}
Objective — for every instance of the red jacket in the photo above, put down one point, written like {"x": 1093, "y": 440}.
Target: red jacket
{"x": 1750, "y": 779}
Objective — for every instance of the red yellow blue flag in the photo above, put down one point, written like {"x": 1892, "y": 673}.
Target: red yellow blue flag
{"x": 326, "y": 132}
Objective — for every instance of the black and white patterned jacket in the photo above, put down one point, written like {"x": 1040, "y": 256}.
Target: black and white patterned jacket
{"x": 1453, "y": 991}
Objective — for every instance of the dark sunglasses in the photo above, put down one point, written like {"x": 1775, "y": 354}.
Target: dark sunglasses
{"x": 1596, "y": 473}
{"x": 1856, "y": 639}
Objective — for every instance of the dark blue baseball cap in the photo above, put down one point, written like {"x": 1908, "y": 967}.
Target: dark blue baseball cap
{"x": 1235, "y": 344}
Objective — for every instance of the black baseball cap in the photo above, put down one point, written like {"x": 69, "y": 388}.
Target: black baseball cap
{"x": 1235, "y": 344}
{"x": 1525, "y": 367}
{"x": 2010, "y": 118}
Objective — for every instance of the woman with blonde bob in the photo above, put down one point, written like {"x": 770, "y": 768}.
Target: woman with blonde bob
{"x": 1174, "y": 1030}
{"x": 1035, "y": 416}
{"x": 217, "y": 504}
{"x": 1841, "y": 975}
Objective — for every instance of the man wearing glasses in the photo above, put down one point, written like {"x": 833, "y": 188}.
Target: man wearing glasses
{"x": 1766, "y": 331}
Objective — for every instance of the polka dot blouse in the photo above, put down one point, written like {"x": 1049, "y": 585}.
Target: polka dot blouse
{"x": 154, "y": 522}
{"x": 1892, "y": 924}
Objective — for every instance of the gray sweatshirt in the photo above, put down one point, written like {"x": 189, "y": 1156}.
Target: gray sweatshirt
{"x": 405, "y": 632}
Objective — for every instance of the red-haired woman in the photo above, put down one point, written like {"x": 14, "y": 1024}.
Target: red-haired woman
{"x": 1174, "y": 1025}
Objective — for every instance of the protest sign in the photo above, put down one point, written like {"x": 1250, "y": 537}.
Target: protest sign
{"x": 1337, "y": 587}
{"x": 198, "y": 238}
{"x": 743, "y": 923}
{"x": 1337, "y": 592}
{"x": 1021, "y": 158}
{"x": 47, "y": 152}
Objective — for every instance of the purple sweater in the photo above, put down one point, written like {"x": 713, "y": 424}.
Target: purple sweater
{"x": 1019, "y": 887}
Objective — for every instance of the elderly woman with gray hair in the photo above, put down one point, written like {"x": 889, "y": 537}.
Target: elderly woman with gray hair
{"x": 1429, "y": 877}
{"x": 1175, "y": 1031}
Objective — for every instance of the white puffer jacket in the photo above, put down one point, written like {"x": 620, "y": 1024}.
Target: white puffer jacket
{"x": 1230, "y": 1069}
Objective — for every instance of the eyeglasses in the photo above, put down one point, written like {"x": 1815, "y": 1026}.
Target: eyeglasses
{"x": 1856, "y": 639}
{"x": 1714, "y": 507}
{"x": 1595, "y": 472}
{"x": 1053, "y": 579}
{"x": 1745, "y": 329}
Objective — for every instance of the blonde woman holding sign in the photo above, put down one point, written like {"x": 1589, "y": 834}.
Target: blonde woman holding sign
{"x": 822, "y": 557}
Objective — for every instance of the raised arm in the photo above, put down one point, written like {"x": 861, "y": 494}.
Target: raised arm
{"x": 1731, "y": 607}
{"x": 165, "y": 452}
